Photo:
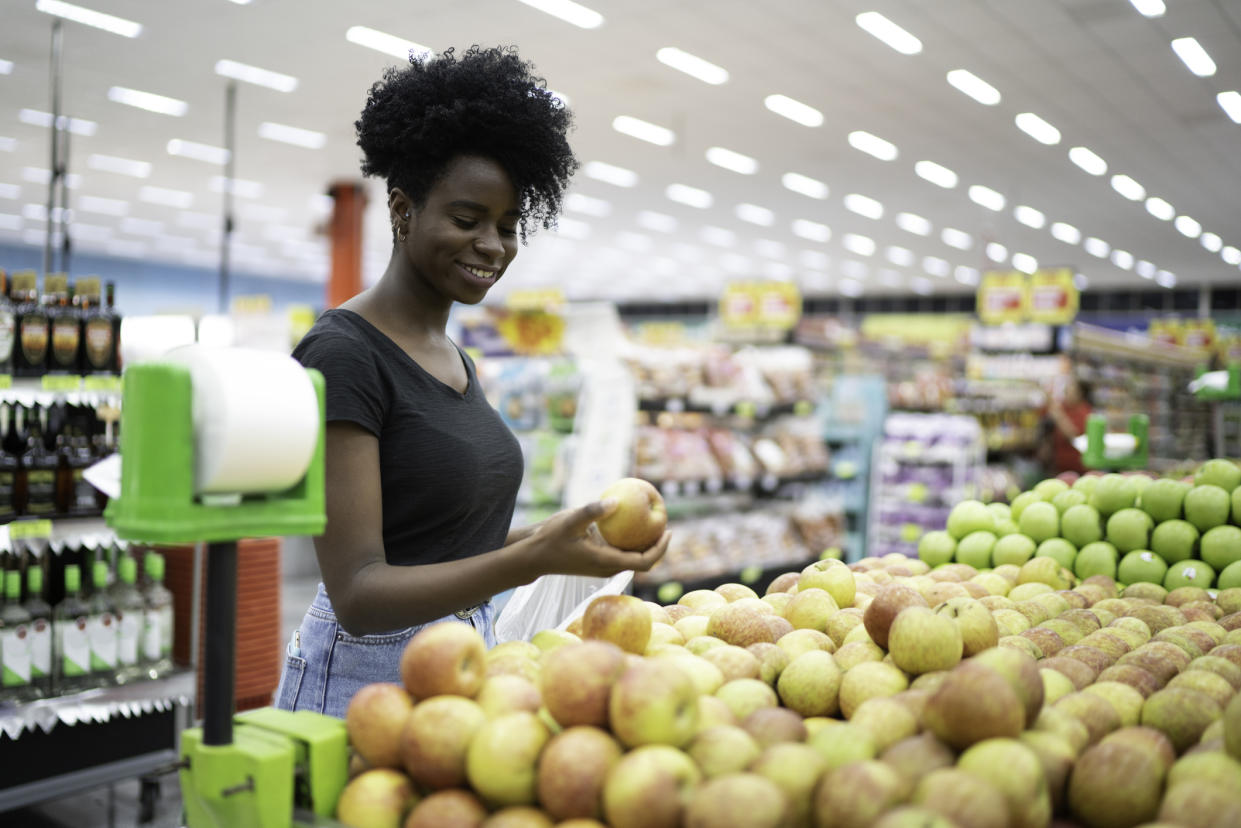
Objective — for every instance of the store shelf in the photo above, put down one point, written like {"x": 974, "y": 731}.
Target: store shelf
{"x": 724, "y": 408}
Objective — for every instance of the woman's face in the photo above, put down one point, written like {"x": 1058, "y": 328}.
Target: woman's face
{"x": 462, "y": 240}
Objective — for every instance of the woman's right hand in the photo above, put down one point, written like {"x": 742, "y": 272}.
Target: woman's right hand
{"x": 568, "y": 543}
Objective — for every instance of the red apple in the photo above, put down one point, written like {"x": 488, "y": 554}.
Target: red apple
{"x": 374, "y": 719}
{"x": 621, "y": 619}
{"x": 444, "y": 659}
{"x": 638, "y": 520}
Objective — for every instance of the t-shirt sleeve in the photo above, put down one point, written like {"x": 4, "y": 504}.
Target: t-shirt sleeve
{"x": 353, "y": 387}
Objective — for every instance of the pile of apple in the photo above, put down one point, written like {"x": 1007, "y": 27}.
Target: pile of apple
{"x": 882, "y": 693}
{"x": 1129, "y": 527}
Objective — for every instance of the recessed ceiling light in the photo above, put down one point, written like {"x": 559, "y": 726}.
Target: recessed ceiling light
{"x": 966, "y": 275}
{"x": 388, "y": 44}
{"x": 1211, "y": 242}
{"x": 579, "y": 203}
{"x": 568, "y": 11}
{"x": 11, "y": 191}
{"x": 1160, "y": 209}
{"x": 812, "y": 230}
{"x": 103, "y": 206}
{"x": 987, "y": 197}
{"x": 1230, "y": 255}
{"x": 253, "y": 74}
{"x": 1144, "y": 269}
{"x": 861, "y": 245}
{"x": 198, "y": 221}
{"x": 804, "y": 184}
{"x": 974, "y": 86}
{"x": 141, "y": 227}
{"x": 238, "y": 187}
{"x": 873, "y": 145}
{"x": 913, "y": 223}
{"x": 148, "y": 101}
{"x": 38, "y": 212}
{"x": 815, "y": 259}
{"x": 296, "y": 136}
{"x": 863, "y": 206}
{"x": 769, "y": 248}
{"x": 797, "y": 111}
{"x": 1088, "y": 160}
{"x": 659, "y": 222}
{"x": 7, "y": 144}
{"x": 1029, "y": 216}
{"x": 893, "y": 35}
{"x": 754, "y": 214}
{"x": 1194, "y": 57}
{"x": 39, "y": 175}
{"x": 996, "y": 252}
{"x": 1123, "y": 259}
{"x": 197, "y": 151}
{"x": 1080, "y": 281}
{"x": 90, "y": 17}
{"x": 718, "y": 236}
{"x": 1096, "y": 247}
{"x": 610, "y": 174}
{"x": 1230, "y": 102}
{"x": 899, "y": 256}
{"x": 936, "y": 266}
{"x": 689, "y": 196}
{"x": 959, "y": 239}
{"x": 1165, "y": 279}
{"x": 1025, "y": 262}
{"x": 936, "y": 174}
{"x": 1037, "y": 128}
{"x": 1128, "y": 188}
{"x": 91, "y": 232}
{"x": 643, "y": 130}
{"x": 1149, "y": 8}
{"x": 78, "y": 126}
{"x": 692, "y": 65}
{"x": 1188, "y": 227}
{"x": 850, "y": 287}
{"x": 730, "y": 160}
{"x": 6, "y": 67}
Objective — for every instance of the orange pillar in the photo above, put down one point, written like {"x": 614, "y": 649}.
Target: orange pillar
{"x": 345, "y": 278}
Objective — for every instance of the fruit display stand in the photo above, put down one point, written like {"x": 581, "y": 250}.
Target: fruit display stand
{"x": 1222, "y": 391}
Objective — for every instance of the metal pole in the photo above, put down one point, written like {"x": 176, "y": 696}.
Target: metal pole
{"x": 64, "y": 206}
{"x": 55, "y": 132}
{"x": 230, "y": 111}
{"x": 220, "y": 668}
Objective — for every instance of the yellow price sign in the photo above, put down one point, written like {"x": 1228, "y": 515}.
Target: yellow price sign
{"x": 1003, "y": 296}
{"x": 6, "y": 380}
{"x": 1052, "y": 296}
{"x": 61, "y": 382}
{"x": 30, "y": 529}
{"x": 101, "y": 382}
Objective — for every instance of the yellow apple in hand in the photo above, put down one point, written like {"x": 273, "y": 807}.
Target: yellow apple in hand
{"x": 639, "y": 519}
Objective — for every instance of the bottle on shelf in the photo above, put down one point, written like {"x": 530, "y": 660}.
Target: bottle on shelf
{"x": 115, "y": 316}
{"x": 157, "y": 626}
{"x": 33, "y": 334}
{"x": 14, "y": 641}
{"x": 64, "y": 323}
{"x": 38, "y": 467}
{"x": 40, "y": 633}
{"x": 130, "y": 610}
{"x": 98, "y": 341}
{"x": 9, "y": 465}
{"x": 8, "y": 326}
{"x": 102, "y": 629}
{"x": 71, "y": 656}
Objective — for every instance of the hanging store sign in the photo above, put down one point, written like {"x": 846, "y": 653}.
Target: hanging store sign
{"x": 768, "y": 305}
{"x": 1002, "y": 297}
{"x": 1048, "y": 296}
{"x": 1053, "y": 297}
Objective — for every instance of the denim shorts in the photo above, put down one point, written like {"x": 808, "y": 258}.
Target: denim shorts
{"x": 324, "y": 665}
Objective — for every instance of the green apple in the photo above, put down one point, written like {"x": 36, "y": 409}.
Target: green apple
{"x": 1230, "y": 578}
{"x": 1002, "y": 511}
{"x": 745, "y": 695}
{"x": 1232, "y": 726}
{"x": 796, "y": 770}
{"x": 1045, "y": 571}
{"x": 1114, "y": 783}
{"x": 961, "y": 797}
{"x": 1219, "y": 472}
{"x": 842, "y": 744}
{"x": 978, "y": 628}
{"x": 1113, "y": 493}
{"x": 1236, "y": 505}
{"x": 1021, "y": 501}
{"x": 1189, "y": 573}
{"x": 1128, "y": 529}
{"x": 1068, "y": 499}
{"x": 1207, "y": 506}
{"x": 502, "y": 761}
{"x": 1015, "y": 770}
{"x": 1040, "y": 521}
{"x": 810, "y": 684}
{"x": 654, "y": 702}
{"x": 936, "y": 548}
{"x": 1059, "y": 550}
{"x": 720, "y": 802}
{"x": 1098, "y": 558}
{"x": 723, "y": 749}
{"x": 921, "y": 641}
{"x": 970, "y": 516}
{"x": 1174, "y": 540}
{"x": 1141, "y": 566}
{"x": 1081, "y": 524}
{"x": 1163, "y": 499}
{"x": 1182, "y": 714}
{"x": 1049, "y": 488}
{"x": 1086, "y": 483}
{"x": 650, "y": 785}
{"x": 1013, "y": 549}
{"x": 833, "y": 577}
{"x": 973, "y": 703}
{"x": 1005, "y": 527}
{"x": 975, "y": 549}
{"x": 858, "y": 794}
{"x": 380, "y": 796}
{"x": 872, "y": 679}
{"x": 1221, "y": 546}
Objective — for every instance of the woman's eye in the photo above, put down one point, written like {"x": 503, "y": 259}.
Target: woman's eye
{"x": 464, "y": 222}
{"x": 508, "y": 231}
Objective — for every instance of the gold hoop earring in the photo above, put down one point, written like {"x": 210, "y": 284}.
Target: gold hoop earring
{"x": 402, "y": 234}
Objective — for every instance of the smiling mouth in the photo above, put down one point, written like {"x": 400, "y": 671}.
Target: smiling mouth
{"x": 486, "y": 274}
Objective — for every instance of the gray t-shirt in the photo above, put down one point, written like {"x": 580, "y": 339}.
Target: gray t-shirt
{"x": 449, "y": 466}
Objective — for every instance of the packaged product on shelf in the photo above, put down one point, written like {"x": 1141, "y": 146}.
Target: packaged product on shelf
{"x": 129, "y": 607}
{"x": 30, "y": 353}
{"x": 71, "y": 655}
{"x": 157, "y": 619}
{"x": 102, "y": 629}
{"x": 41, "y": 633}
{"x": 732, "y": 454}
{"x": 820, "y": 521}
{"x": 16, "y": 656}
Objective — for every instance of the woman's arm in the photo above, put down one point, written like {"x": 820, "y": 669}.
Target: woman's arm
{"x": 370, "y": 596}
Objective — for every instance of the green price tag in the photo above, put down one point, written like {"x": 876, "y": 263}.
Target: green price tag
{"x": 913, "y": 448}
{"x": 6, "y": 380}
{"x": 27, "y": 529}
{"x": 803, "y": 407}
{"x": 846, "y": 469}
{"x": 61, "y": 382}
{"x": 917, "y": 492}
{"x": 669, "y": 592}
{"x": 750, "y": 574}
{"x": 101, "y": 382}
{"x": 910, "y": 532}
{"x": 745, "y": 409}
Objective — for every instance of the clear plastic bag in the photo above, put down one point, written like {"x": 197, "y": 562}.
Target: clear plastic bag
{"x": 552, "y": 602}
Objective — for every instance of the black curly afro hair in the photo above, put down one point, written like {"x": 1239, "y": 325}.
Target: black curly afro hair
{"x": 487, "y": 102}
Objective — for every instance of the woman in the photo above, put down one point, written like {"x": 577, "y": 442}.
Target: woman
{"x": 422, "y": 474}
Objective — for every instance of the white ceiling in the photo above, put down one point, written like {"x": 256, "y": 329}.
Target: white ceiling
{"x": 1098, "y": 70}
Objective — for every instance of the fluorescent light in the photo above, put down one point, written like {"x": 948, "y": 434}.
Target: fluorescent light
{"x": 718, "y": 236}
{"x": 1123, "y": 259}
{"x": 166, "y": 197}
{"x": 1080, "y": 281}
{"x": 1025, "y": 262}
{"x": 1230, "y": 255}
{"x": 854, "y": 269}
{"x": 148, "y": 101}
{"x": 689, "y": 196}
{"x": 1188, "y": 227}
{"x": 296, "y": 136}
{"x": 1230, "y": 102}
{"x": 141, "y": 227}
{"x": 91, "y": 232}
{"x": 38, "y": 212}
{"x": 936, "y": 174}
{"x": 253, "y": 74}
{"x": 1211, "y": 242}
{"x": 38, "y": 175}
{"x": 754, "y": 214}
{"x": 1037, "y": 128}
{"x": 863, "y": 206}
{"x": 966, "y": 275}
{"x": 120, "y": 166}
{"x": 90, "y": 17}
{"x": 262, "y": 212}
{"x": 1096, "y": 247}
{"x": 850, "y": 287}
{"x": 78, "y": 126}
{"x": 1144, "y": 269}
{"x": 198, "y": 221}
{"x": 812, "y": 230}
{"x": 7, "y": 144}
{"x": 1149, "y": 8}
{"x": 769, "y": 249}
{"x": 609, "y": 174}
{"x": 103, "y": 206}
{"x": 987, "y": 197}
{"x": 996, "y": 252}
{"x": 643, "y": 131}
{"x": 397, "y": 47}
{"x": 1128, "y": 188}
{"x": 1160, "y": 209}
{"x": 1029, "y": 216}
{"x": 1165, "y": 279}
{"x": 240, "y": 187}
{"x": 861, "y": 245}
{"x": 659, "y": 222}
{"x": 873, "y": 145}
{"x": 579, "y": 203}
{"x": 730, "y": 160}
{"x": 959, "y": 239}
{"x": 692, "y": 65}
{"x": 568, "y": 11}
{"x": 974, "y": 86}
{"x": 1194, "y": 57}
{"x": 902, "y": 256}
{"x": 1087, "y": 160}
{"x": 6, "y": 67}
{"x": 913, "y": 223}
{"x": 814, "y": 258}
{"x": 803, "y": 114}
{"x": 197, "y": 151}
{"x": 804, "y": 184}
{"x": 936, "y": 266}
{"x": 10, "y": 191}
{"x": 876, "y": 24}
